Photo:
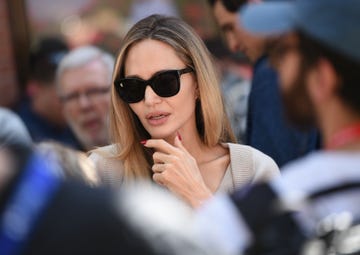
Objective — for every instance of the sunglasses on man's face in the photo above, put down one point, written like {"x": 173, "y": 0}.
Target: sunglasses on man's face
{"x": 164, "y": 84}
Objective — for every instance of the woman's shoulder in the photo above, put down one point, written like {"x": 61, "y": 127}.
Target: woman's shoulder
{"x": 255, "y": 153}
{"x": 263, "y": 166}
{"x": 108, "y": 164}
{"x": 104, "y": 151}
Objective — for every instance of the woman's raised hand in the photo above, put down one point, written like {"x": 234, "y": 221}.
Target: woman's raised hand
{"x": 175, "y": 168}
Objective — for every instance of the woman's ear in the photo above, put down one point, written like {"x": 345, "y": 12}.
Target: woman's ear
{"x": 197, "y": 92}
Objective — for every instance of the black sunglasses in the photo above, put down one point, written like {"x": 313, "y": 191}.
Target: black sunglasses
{"x": 164, "y": 83}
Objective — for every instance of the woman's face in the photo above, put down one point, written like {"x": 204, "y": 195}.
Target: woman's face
{"x": 162, "y": 117}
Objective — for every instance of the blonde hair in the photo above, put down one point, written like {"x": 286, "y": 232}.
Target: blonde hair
{"x": 211, "y": 119}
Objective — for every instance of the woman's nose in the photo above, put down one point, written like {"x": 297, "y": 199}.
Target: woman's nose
{"x": 150, "y": 96}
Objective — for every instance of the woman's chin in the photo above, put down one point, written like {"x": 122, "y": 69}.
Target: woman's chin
{"x": 167, "y": 137}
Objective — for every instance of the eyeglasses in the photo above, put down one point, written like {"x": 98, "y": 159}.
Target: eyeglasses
{"x": 164, "y": 84}
{"x": 91, "y": 94}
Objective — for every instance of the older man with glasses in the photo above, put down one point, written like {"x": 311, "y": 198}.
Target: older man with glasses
{"x": 83, "y": 84}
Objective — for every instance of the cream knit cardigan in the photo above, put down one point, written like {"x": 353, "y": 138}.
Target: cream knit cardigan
{"x": 247, "y": 165}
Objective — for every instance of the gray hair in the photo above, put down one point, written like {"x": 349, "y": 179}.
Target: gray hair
{"x": 83, "y": 55}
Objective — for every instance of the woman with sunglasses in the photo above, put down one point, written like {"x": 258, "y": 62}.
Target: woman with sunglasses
{"x": 167, "y": 117}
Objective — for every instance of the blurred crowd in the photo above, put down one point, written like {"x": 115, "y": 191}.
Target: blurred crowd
{"x": 163, "y": 137}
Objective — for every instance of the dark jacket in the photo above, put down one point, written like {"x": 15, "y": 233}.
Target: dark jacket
{"x": 267, "y": 128}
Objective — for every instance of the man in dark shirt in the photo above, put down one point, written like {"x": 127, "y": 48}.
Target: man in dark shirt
{"x": 40, "y": 108}
{"x": 267, "y": 129}
{"x": 314, "y": 207}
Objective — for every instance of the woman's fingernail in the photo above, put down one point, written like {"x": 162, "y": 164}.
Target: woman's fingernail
{"x": 143, "y": 142}
{"x": 178, "y": 134}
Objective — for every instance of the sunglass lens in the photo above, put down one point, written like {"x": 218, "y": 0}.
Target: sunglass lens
{"x": 130, "y": 90}
{"x": 166, "y": 84}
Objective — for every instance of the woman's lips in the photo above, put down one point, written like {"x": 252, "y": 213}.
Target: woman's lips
{"x": 156, "y": 119}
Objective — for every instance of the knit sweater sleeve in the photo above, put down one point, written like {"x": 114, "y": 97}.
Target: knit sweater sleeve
{"x": 265, "y": 167}
{"x": 108, "y": 166}
{"x": 250, "y": 165}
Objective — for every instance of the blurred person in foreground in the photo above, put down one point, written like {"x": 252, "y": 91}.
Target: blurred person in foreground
{"x": 40, "y": 108}
{"x": 74, "y": 163}
{"x": 13, "y": 128}
{"x": 168, "y": 120}
{"x": 267, "y": 129}
{"x": 316, "y": 51}
{"x": 83, "y": 84}
{"x": 42, "y": 214}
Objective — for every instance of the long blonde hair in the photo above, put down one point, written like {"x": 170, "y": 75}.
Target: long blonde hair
{"x": 211, "y": 119}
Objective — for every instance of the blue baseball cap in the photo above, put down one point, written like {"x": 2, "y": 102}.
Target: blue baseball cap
{"x": 336, "y": 23}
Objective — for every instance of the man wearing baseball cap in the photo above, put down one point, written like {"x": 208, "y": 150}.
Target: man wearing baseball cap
{"x": 316, "y": 51}
{"x": 266, "y": 127}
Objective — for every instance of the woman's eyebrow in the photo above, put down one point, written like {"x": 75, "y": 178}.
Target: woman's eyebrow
{"x": 133, "y": 76}
{"x": 156, "y": 73}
